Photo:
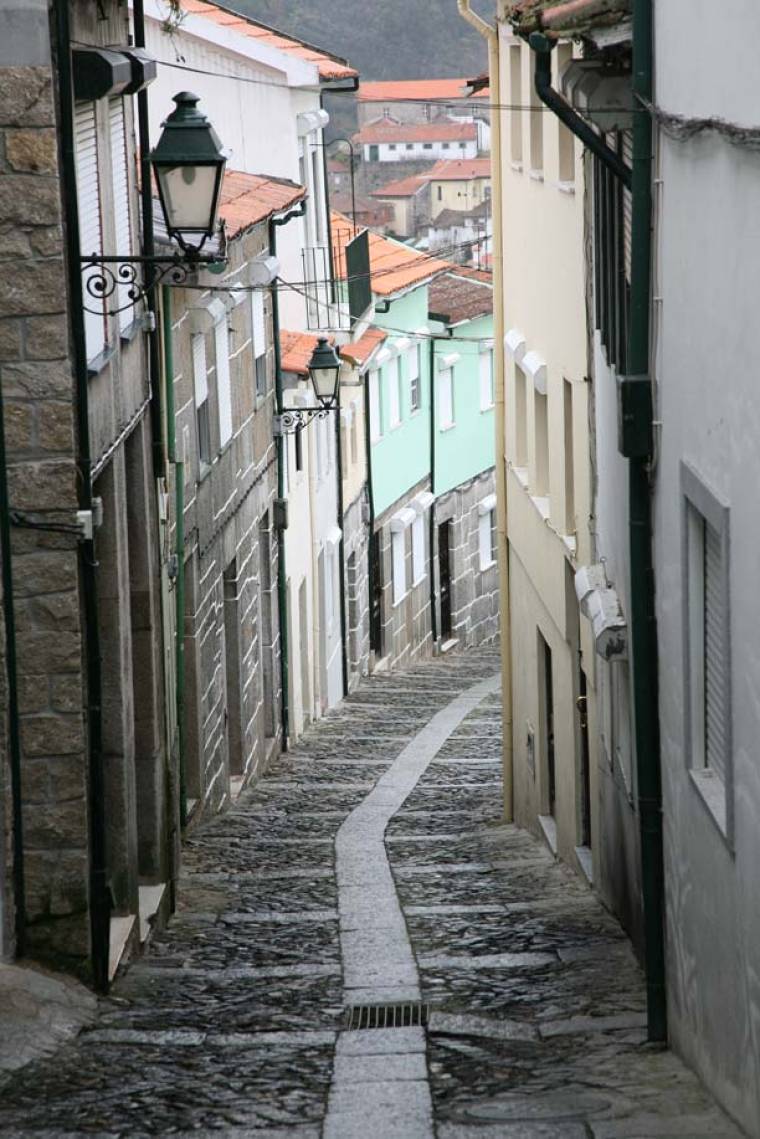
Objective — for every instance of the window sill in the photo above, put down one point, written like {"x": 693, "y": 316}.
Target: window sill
{"x": 446, "y": 426}
{"x": 570, "y": 543}
{"x": 516, "y": 166}
{"x": 487, "y": 408}
{"x": 712, "y": 792}
{"x": 395, "y": 426}
{"x": 204, "y": 470}
{"x": 521, "y": 474}
{"x": 566, "y": 188}
{"x": 401, "y": 599}
{"x": 536, "y": 175}
{"x": 549, "y": 830}
{"x": 485, "y": 566}
{"x": 419, "y": 580}
{"x": 541, "y": 503}
{"x": 126, "y": 335}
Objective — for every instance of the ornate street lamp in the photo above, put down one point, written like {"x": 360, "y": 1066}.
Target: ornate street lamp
{"x": 324, "y": 372}
{"x": 189, "y": 166}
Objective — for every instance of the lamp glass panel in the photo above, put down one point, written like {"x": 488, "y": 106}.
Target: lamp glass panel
{"x": 325, "y": 382}
{"x": 189, "y": 195}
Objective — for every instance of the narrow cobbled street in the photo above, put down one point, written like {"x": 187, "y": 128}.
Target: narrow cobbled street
{"x": 369, "y": 868}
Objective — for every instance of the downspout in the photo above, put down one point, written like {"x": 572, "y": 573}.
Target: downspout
{"x": 636, "y": 405}
{"x": 491, "y": 35}
{"x": 14, "y": 739}
{"x": 282, "y": 592}
{"x": 149, "y": 249}
{"x": 100, "y": 896}
{"x": 431, "y": 521}
{"x": 341, "y": 549}
{"x": 179, "y": 543}
{"x": 370, "y": 497}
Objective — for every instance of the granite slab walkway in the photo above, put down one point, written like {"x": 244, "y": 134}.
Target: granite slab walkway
{"x": 371, "y": 865}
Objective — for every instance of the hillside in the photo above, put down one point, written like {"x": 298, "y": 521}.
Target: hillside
{"x": 397, "y": 39}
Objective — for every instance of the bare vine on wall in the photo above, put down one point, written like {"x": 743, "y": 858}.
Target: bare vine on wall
{"x": 172, "y": 22}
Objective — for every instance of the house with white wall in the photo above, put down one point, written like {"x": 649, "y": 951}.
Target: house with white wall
{"x": 390, "y": 141}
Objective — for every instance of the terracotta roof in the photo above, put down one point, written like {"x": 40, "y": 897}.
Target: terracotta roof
{"x": 296, "y": 349}
{"x": 393, "y": 267}
{"x": 360, "y": 350}
{"x": 457, "y": 296}
{"x": 384, "y": 130}
{"x": 367, "y": 212}
{"x": 403, "y": 188}
{"x": 559, "y": 18}
{"x": 411, "y": 90}
{"x": 251, "y": 198}
{"x": 330, "y": 66}
{"x": 447, "y": 217}
{"x": 478, "y": 86}
{"x": 459, "y": 169}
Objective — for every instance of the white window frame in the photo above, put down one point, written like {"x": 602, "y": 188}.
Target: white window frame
{"x": 121, "y": 200}
{"x": 485, "y": 550}
{"x": 223, "y": 380}
{"x": 375, "y": 407}
{"x": 393, "y": 385}
{"x": 707, "y": 620}
{"x": 419, "y": 567}
{"x": 258, "y": 339}
{"x": 445, "y": 383}
{"x": 485, "y": 365}
{"x": 414, "y": 378}
{"x": 90, "y": 220}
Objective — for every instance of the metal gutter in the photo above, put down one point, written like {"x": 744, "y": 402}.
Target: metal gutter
{"x": 490, "y": 34}
{"x": 100, "y": 895}
{"x": 282, "y": 593}
{"x": 431, "y": 521}
{"x": 542, "y": 46}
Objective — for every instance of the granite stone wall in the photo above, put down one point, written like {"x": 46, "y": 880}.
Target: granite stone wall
{"x": 474, "y": 592}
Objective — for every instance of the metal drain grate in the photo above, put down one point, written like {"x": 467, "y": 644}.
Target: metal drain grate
{"x": 409, "y": 1014}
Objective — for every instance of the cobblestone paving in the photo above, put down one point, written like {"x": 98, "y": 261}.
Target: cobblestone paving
{"x": 232, "y": 1022}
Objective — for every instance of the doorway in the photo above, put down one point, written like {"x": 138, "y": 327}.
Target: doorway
{"x": 444, "y": 576}
{"x": 546, "y": 715}
{"x": 376, "y": 598}
{"x": 585, "y": 788}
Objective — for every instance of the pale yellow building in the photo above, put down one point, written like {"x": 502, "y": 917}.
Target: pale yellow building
{"x": 459, "y": 184}
{"x": 548, "y": 495}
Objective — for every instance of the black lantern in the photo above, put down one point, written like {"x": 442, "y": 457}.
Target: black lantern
{"x": 189, "y": 164}
{"x": 324, "y": 369}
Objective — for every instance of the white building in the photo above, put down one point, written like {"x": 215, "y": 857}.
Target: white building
{"x": 264, "y": 99}
{"x": 389, "y": 141}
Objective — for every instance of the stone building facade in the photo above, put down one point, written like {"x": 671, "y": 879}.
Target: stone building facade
{"x": 469, "y": 511}
{"x": 404, "y": 577}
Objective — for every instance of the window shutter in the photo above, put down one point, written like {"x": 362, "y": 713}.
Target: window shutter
{"x": 413, "y": 362}
{"x": 375, "y": 411}
{"x": 257, "y": 318}
{"x": 398, "y": 542}
{"x": 418, "y": 549}
{"x": 445, "y": 401}
{"x": 120, "y": 182}
{"x": 486, "y": 380}
{"x": 716, "y": 655}
{"x": 484, "y": 539}
{"x": 627, "y": 138}
{"x": 200, "y": 379}
{"x": 394, "y": 404}
{"x": 90, "y": 237}
{"x": 223, "y": 389}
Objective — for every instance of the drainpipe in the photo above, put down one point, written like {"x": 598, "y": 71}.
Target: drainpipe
{"x": 491, "y": 35}
{"x": 341, "y": 549}
{"x": 179, "y": 549}
{"x": 636, "y": 404}
{"x": 370, "y": 497}
{"x": 100, "y": 896}
{"x": 431, "y": 522}
{"x": 149, "y": 249}
{"x": 282, "y": 592}
{"x": 14, "y": 740}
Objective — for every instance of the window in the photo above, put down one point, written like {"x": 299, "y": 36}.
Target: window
{"x": 316, "y": 195}
{"x": 285, "y": 466}
{"x": 120, "y": 187}
{"x": 463, "y": 146}
{"x": 398, "y": 554}
{"x": 413, "y": 375}
{"x": 391, "y": 146}
{"x": 439, "y": 191}
{"x": 445, "y": 393}
{"x": 258, "y": 336}
{"x": 707, "y": 618}
{"x": 90, "y": 231}
{"x": 541, "y": 458}
{"x": 355, "y": 437}
{"x": 200, "y": 385}
{"x": 446, "y": 146}
{"x": 223, "y": 386}
{"x": 536, "y": 131}
{"x": 486, "y": 379}
{"x": 569, "y": 460}
{"x": 612, "y": 260}
{"x": 566, "y": 142}
{"x": 298, "y": 447}
{"x": 427, "y": 146}
{"x": 394, "y": 393}
{"x": 418, "y": 550}
{"x": 329, "y": 585}
{"x": 487, "y": 539}
{"x": 323, "y": 448}
{"x": 515, "y": 96}
{"x": 375, "y": 408}
{"x": 521, "y": 418}
{"x": 409, "y": 146}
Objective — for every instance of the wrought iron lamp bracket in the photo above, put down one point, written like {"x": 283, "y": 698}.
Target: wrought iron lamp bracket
{"x": 295, "y": 418}
{"x": 106, "y": 277}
